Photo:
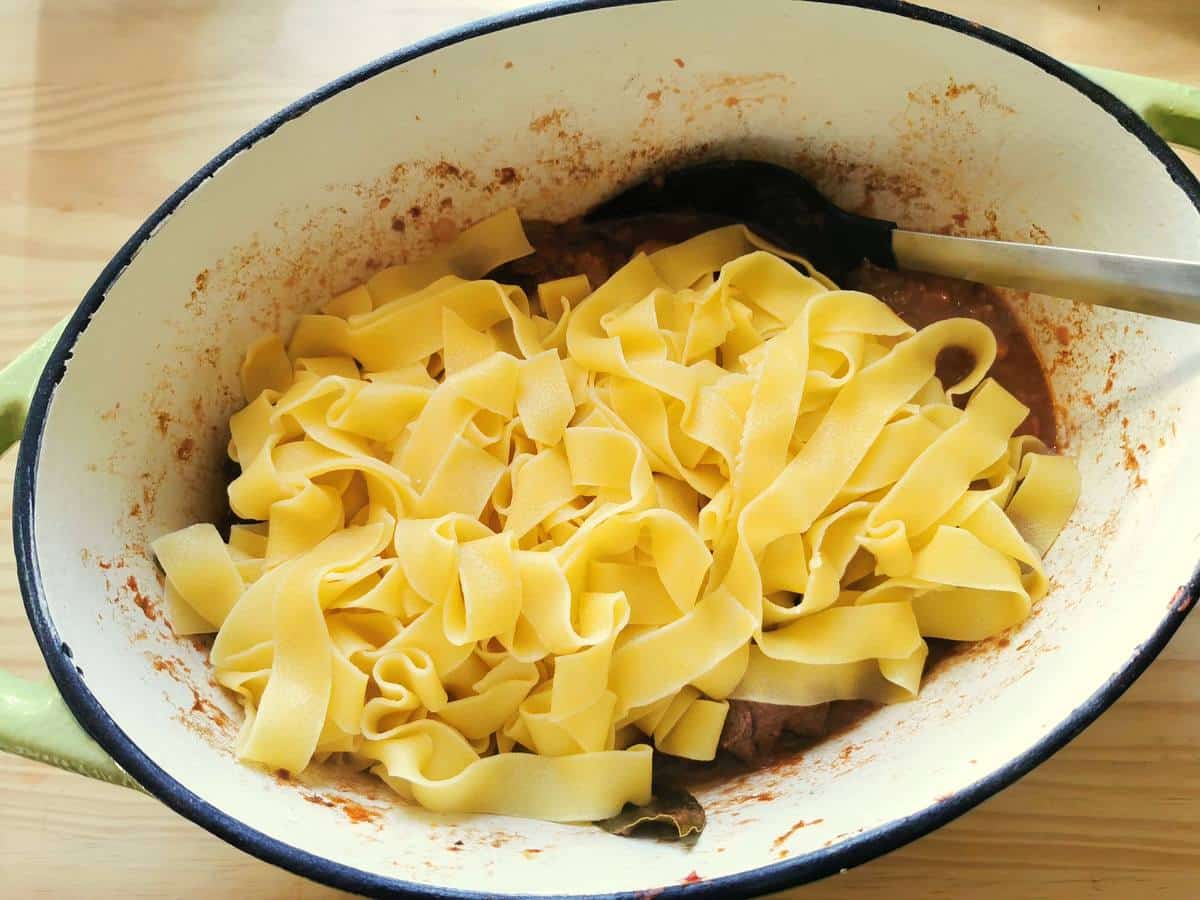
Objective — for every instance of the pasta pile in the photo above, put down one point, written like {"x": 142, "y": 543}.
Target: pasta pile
{"x": 504, "y": 551}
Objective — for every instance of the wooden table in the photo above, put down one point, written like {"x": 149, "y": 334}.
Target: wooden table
{"x": 105, "y": 107}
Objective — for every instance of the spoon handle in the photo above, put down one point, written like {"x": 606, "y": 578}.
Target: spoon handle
{"x": 1168, "y": 288}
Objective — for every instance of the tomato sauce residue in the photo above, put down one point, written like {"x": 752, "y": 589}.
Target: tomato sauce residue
{"x": 1182, "y": 599}
{"x": 355, "y": 812}
{"x": 922, "y": 299}
{"x": 144, "y": 603}
{"x": 1131, "y": 462}
{"x": 210, "y": 712}
{"x": 778, "y": 843}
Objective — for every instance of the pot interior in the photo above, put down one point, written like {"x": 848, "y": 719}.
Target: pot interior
{"x": 891, "y": 116}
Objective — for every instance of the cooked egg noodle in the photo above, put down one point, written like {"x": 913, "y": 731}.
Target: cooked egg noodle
{"x": 503, "y": 550}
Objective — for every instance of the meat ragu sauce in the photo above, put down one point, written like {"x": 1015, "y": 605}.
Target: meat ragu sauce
{"x": 921, "y": 299}
{"x": 760, "y": 734}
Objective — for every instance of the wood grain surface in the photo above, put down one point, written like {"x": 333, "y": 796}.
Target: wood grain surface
{"x": 107, "y": 105}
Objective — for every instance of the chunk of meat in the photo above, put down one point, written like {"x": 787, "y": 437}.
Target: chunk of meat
{"x": 752, "y": 729}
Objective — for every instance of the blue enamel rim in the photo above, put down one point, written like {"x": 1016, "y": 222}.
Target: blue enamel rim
{"x": 853, "y": 852}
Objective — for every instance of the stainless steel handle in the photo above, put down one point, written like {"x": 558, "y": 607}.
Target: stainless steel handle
{"x": 1143, "y": 284}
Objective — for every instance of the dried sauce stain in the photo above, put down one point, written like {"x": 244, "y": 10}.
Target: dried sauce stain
{"x": 1115, "y": 359}
{"x": 531, "y": 852}
{"x": 1130, "y": 461}
{"x": 209, "y": 712}
{"x": 168, "y": 664}
{"x": 730, "y": 800}
{"x": 927, "y": 175}
{"x": 353, "y": 810}
{"x": 184, "y": 449}
{"x": 988, "y": 97}
{"x": 201, "y": 643}
{"x": 162, "y": 421}
{"x": 777, "y": 844}
{"x": 546, "y": 121}
{"x": 445, "y": 171}
{"x": 1182, "y": 600}
{"x": 992, "y": 217}
{"x": 144, "y": 603}
{"x": 207, "y": 708}
{"x": 725, "y": 83}
{"x": 863, "y": 187}
{"x": 1039, "y": 235}
{"x": 654, "y": 96}
{"x": 734, "y": 790}
{"x": 149, "y": 484}
{"x": 691, "y": 878}
{"x": 679, "y": 62}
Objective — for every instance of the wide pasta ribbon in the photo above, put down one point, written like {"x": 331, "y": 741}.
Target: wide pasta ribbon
{"x": 497, "y": 549}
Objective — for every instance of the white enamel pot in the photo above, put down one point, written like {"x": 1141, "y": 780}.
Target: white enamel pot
{"x": 906, "y": 113}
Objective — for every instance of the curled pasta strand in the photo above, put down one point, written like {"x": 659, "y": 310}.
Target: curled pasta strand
{"x": 500, "y": 552}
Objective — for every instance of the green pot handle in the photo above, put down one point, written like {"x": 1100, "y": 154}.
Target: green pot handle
{"x": 34, "y": 720}
{"x": 1170, "y": 108}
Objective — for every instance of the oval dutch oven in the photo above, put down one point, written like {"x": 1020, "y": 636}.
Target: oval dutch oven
{"x": 907, "y": 113}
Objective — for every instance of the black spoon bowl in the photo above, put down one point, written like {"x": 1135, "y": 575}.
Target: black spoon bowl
{"x": 775, "y": 202}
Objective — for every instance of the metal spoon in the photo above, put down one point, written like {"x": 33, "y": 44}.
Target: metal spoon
{"x": 785, "y": 208}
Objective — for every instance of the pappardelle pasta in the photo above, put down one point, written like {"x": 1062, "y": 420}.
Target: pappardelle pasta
{"x": 503, "y": 548}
